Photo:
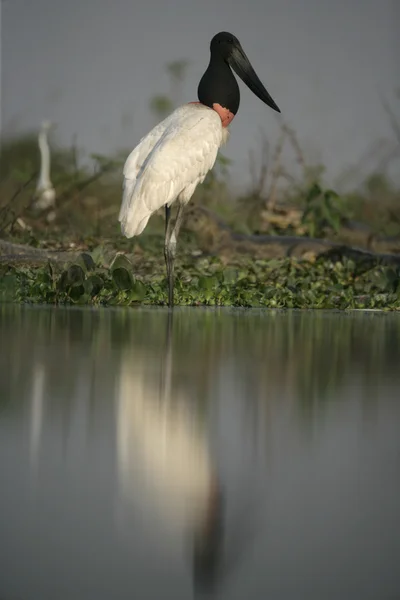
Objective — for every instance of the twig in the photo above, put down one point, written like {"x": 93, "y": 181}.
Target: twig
{"x": 392, "y": 118}
{"x": 8, "y": 207}
{"x": 288, "y": 176}
{"x": 259, "y": 180}
{"x": 295, "y": 144}
{"x": 74, "y": 156}
{"x": 275, "y": 171}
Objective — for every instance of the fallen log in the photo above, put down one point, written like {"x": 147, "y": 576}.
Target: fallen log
{"x": 14, "y": 253}
{"x": 216, "y": 237}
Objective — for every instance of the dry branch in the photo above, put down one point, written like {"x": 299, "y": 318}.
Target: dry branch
{"x": 11, "y": 210}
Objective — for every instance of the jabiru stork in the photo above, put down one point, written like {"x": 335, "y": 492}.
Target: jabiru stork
{"x": 170, "y": 161}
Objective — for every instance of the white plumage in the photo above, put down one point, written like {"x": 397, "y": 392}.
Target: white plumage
{"x": 44, "y": 189}
{"x": 169, "y": 163}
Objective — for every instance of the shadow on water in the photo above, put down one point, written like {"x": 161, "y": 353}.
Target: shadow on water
{"x": 177, "y": 426}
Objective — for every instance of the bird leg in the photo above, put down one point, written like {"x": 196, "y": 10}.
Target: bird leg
{"x": 168, "y": 230}
{"x": 171, "y": 237}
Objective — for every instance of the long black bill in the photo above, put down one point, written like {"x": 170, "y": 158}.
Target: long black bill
{"x": 242, "y": 67}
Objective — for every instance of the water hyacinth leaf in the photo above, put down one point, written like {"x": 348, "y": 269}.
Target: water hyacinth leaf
{"x": 93, "y": 285}
{"x": 121, "y": 271}
{"x": 393, "y": 276}
{"x": 83, "y": 299}
{"x": 124, "y": 299}
{"x": 230, "y": 275}
{"x": 117, "y": 300}
{"x": 242, "y": 274}
{"x": 73, "y": 276}
{"x": 207, "y": 283}
{"x": 379, "y": 280}
{"x": 98, "y": 255}
{"x": 121, "y": 261}
{"x": 75, "y": 292}
{"x": 220, "y": 276}
{"x": 138, "y": 291}
{"x": 270, "y": 291}
{"x": 123, "y": 279}
{"x": 62, "y": 284}
{"x": 76, "y": 275}
{"x": 8, "y": 287}
{"x": 86, "y": 262}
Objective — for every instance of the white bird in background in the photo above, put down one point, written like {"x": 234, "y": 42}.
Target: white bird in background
{"x": 44, "y": 189}
{"x": 171, "y": 160}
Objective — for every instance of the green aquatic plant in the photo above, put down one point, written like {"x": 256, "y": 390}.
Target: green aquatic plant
{"x": 278, "y": 283}
{"x": 323, "y": 208}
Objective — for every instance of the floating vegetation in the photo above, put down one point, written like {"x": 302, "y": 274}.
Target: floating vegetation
{"x": 278, "y": 283}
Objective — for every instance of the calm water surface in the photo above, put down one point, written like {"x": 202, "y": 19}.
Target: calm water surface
{"x": 227, "y": 454}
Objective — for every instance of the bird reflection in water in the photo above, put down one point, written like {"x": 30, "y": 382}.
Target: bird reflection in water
{"x": 208, "y": 543}
{"x": 157, "y": 427}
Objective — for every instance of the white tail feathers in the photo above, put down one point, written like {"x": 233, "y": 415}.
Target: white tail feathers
{"x": 131, "y": 227}
{"x": 132, "y": 221}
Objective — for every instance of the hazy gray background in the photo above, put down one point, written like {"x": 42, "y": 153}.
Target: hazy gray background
{"x": 92, "y": 66}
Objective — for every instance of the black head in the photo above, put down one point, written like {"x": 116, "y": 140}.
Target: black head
{"x": 223, "y": 44}
{"x": 218, "y": 84}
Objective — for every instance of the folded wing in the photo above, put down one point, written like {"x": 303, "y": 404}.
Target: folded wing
{"x": 169, "y": 162}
